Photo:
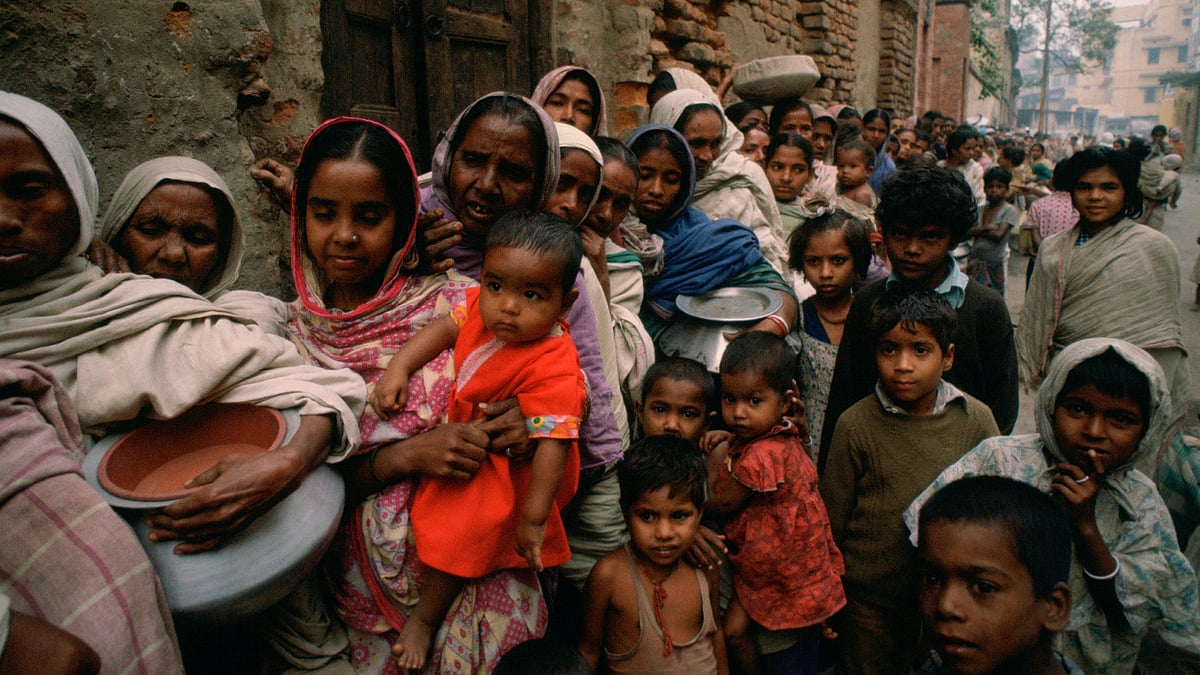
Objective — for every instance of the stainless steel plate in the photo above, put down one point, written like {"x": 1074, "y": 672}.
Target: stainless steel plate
{"x": 731, "y": 304}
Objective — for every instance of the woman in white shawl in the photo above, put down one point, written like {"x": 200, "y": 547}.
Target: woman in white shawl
{"x": 175, "y": 218}
{"x": 1153, "y": 582}
{"x": 126, "y": 346}
{"x": 728, "y": 184}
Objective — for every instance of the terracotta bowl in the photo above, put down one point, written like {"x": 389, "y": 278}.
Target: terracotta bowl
{"x": 156, "y": 461}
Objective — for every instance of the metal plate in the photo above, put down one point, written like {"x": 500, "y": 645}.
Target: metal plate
{"x": 731, "y": 304}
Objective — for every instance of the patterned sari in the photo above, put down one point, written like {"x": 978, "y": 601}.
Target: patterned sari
{"x": 374, "y": 566}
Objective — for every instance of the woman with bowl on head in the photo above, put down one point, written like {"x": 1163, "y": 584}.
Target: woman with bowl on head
{"x": 124, "y": 346}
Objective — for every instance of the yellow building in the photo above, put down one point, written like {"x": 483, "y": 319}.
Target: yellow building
{"x": 1153, "y": 40}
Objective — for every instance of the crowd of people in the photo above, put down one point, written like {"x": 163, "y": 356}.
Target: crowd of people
{"x": 536, "y": 482}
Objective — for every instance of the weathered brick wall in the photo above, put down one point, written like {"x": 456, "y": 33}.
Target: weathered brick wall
{"x": 698, "y": 33}
{"x": 951, "y": 48}
{"x": 897, "y": 67}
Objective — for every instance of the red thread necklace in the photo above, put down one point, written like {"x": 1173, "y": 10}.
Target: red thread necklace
{"x": 658, "y": 600}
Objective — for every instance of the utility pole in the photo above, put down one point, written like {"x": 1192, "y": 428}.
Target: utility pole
{"x": 1045, "y": 72}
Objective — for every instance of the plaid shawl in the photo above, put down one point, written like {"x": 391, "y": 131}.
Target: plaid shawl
{"x": 66, "y": 557}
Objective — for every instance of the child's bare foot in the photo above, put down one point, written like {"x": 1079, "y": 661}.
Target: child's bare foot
{"x": 412, "y": 647}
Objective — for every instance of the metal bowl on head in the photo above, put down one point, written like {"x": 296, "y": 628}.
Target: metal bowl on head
{"x": 156, "y": 461}
{"x": 775, "y": 78}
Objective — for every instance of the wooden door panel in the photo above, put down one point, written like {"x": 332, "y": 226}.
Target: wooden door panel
{"x": 370, "y": 70}
{"x": 483, "y": 46}
{"x": 414, "y": 64}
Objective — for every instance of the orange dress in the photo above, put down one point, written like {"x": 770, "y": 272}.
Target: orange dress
{"x": 468, "y": 528}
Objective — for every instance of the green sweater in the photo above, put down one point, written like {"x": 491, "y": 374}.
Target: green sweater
{"x": 878, "y": 463}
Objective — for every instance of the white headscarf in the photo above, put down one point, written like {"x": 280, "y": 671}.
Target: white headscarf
{"x": 141, "y": 181}
{"x": 570, "y": 137}
{"x": 60, "y": 143}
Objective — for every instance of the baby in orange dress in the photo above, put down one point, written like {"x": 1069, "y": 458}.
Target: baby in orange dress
{"x": 509, "y": 340}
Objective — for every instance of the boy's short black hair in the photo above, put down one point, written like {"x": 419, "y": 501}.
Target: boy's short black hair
{"x": 928, "y": 195}
{"x": 543, "y": 656}
{"x": 997, "y": 174}
{"x": 1109, "y": 372}
{"x": 663, "y": 461}
{"x": 909, "y": 306}
{"x": 860, "y": 146}
{"x": 1039, "y": 527}
{"x": 542, "y": 233}
{"x": 764, "y": 354}
{"x": 683, "y": 370}
{"x": 857, "y": 236}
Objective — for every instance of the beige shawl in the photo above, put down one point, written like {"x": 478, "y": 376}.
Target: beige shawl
{"x": 125, "y": 345}
{"x": 1123, "y": 283}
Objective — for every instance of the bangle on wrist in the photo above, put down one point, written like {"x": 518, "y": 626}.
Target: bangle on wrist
{"x": 779, "y": 321}
{"x": 375, "y": 476}
{"x": 1104, "y": 577}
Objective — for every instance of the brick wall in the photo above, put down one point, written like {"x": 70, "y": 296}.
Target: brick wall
{"x": 897, "y": 67}
{"x": 951, "y": 45}
{"x": 687, "y": 32}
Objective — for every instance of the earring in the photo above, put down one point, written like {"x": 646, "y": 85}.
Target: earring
{"x": 354, "y": 239}
{"x": 410, "y": 261}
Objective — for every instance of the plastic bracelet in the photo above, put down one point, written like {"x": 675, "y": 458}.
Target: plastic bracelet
{"x": 371, "y": 468}
{"x": 778, "y": 321}
{"x": 1104, "y": 577}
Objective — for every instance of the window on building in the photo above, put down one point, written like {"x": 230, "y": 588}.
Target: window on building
{"x": 1152, "y": 56}
{"x": 1073, "y": 80}
{"x": 1183, "y": 53}
{"x": 1187, "y": 22}
{"x": 1149, "y": 94}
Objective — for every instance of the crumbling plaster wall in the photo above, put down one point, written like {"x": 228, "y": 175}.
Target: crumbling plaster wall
{"x": 220, "y": 81}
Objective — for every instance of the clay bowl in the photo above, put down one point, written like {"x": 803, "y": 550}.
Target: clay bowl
{"x": 155, "y": 461}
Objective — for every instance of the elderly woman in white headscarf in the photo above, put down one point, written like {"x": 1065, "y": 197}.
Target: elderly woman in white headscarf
{"x": 175, "y": 218}
{"x": 728, "y": 184}
{"x": 125, "y": 346}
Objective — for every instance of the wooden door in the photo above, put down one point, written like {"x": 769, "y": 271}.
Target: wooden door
{"x": 474, "y": 47}
{"x": 413, "y": 65}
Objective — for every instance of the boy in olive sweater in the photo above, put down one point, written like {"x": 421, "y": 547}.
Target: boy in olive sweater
{"x": 886, "y": 449}
{"x": 924, "y": 213}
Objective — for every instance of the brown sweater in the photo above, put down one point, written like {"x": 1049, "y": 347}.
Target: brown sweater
{"x": 878, "y": 463}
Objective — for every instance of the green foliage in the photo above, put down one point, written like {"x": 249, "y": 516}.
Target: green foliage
{"x": 984, "y": 55}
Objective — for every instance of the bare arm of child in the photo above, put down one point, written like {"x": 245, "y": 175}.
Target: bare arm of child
{"x": 597, "y": 606}
{"x": 549, "y": 462}
{"x": 725, "y": 496}
{"x": 714, "y": 597}
{"x": 1080, "y": 489}
{"x": 391, "y": 391}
